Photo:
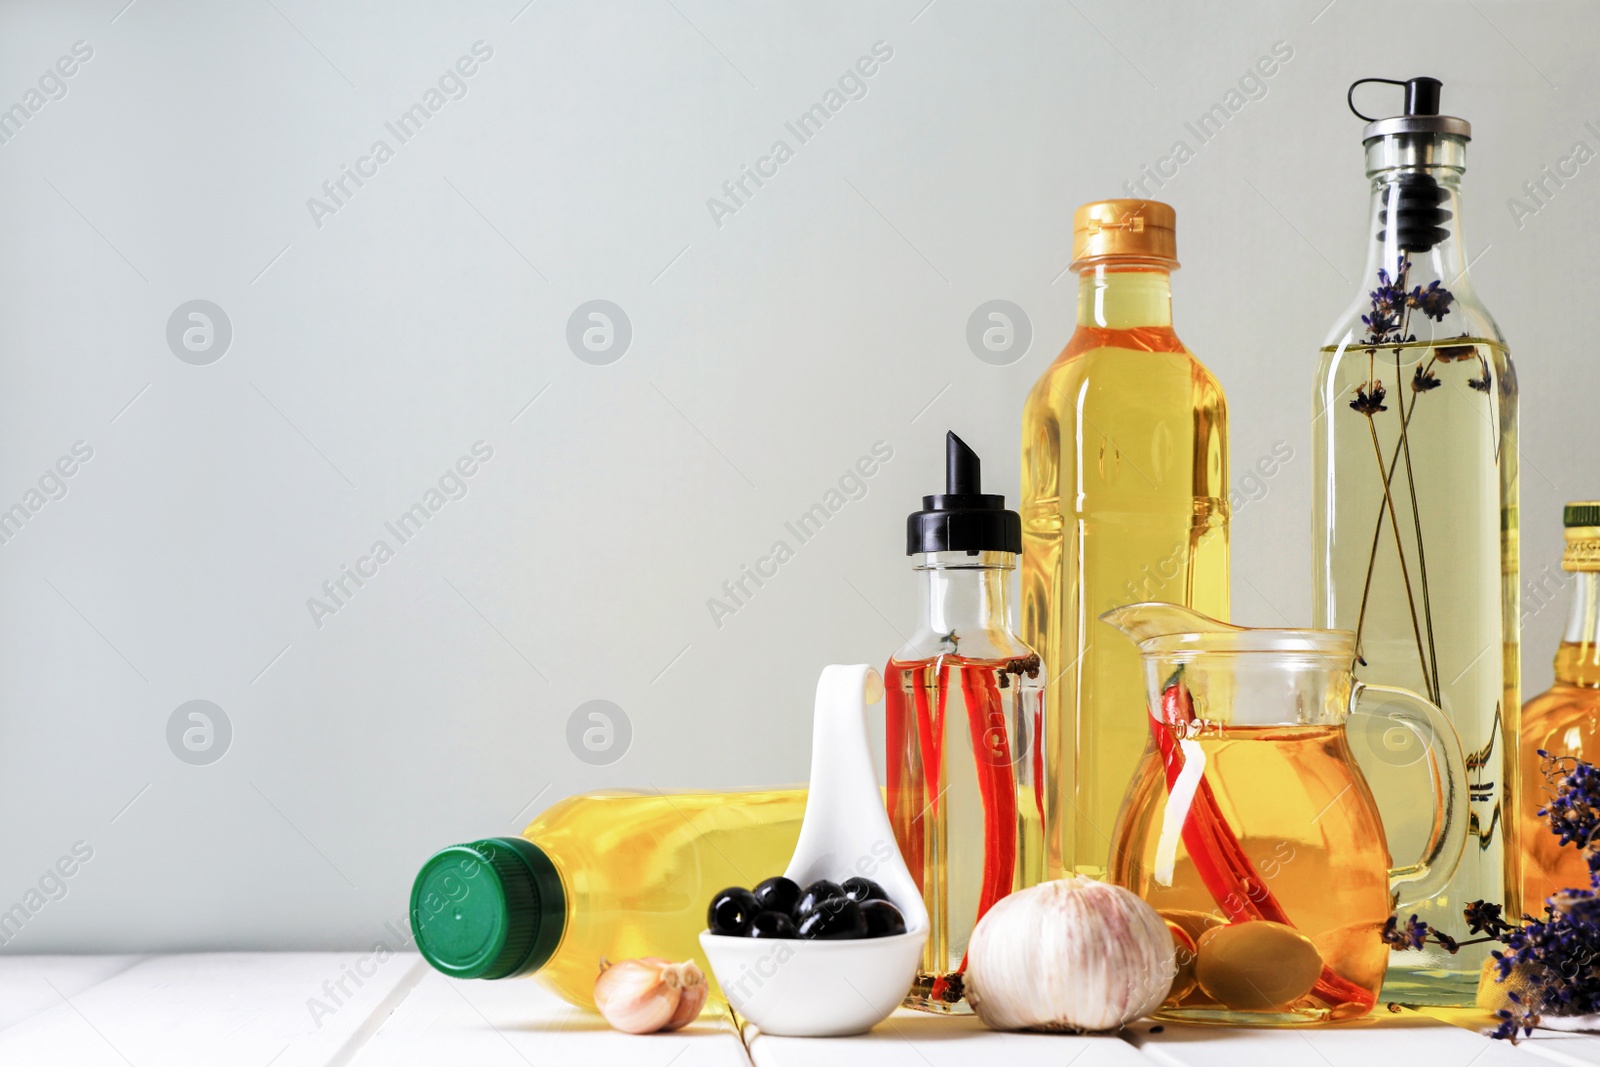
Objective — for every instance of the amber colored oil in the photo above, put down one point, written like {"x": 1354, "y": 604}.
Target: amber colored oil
{"x": 639, "y": 870}
{"x": 1564, "y": 720}
{"x": 1304, "y": 816}
{"x": 1124, "y": 499}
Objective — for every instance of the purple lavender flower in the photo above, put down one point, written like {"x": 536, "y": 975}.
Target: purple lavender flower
{"x": 1513, "y": 1019}
{"x": 1574, "y": 810}
{"x": 1434, "y": 301}
{"x": 1390, "y": 295}
{"x": 1379, "y": 325}
{"x": 1412, "y": 935}
{"x": 1485, "y": 918}
{"x": 1369, "y": 398}
{"x": 1391, "y": 304}
{"x": 1556, "y": 957}
{"x": 1580, "y": 907}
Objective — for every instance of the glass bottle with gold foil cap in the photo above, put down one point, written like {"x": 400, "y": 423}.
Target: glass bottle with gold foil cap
{"x": 1124, "y": 499}
{"x": 1414, "y": 518}
{"x": 1564, "y": 720}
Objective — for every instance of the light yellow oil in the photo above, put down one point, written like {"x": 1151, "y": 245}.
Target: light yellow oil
{"x": 1124, "y": 499}
{"x": 640, "y": 869}
{"x": 1428, "y": 582}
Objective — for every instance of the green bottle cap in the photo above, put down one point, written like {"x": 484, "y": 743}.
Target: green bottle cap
{"x": 1581, "y": 513}
{"x": 488, "y": 909}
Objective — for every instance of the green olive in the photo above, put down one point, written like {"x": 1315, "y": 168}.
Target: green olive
{"x": 1256, "y": 966}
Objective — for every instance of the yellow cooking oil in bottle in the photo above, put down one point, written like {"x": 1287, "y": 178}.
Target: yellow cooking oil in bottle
{"x": 1124, "y": 499}
{"x": 612, "y": 875}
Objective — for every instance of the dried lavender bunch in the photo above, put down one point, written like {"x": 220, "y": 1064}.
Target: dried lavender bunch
{"x": 1558, "y": 956}
{"x": 1388, "y": 322}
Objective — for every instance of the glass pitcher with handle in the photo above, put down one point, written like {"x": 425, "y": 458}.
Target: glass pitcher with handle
{"x": 1250, "y": 828}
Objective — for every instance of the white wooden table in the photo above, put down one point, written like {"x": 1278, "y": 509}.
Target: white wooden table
{"x": 289, "y": 1010}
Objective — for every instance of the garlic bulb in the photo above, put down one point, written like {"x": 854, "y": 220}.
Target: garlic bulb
{"x": 649, "y": 994}
{"x": 1074, "y": 954}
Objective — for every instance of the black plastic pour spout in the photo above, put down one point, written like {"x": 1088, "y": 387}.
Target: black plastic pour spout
{"x": 963, "y": 518}
{"x": 1413, "y": 209}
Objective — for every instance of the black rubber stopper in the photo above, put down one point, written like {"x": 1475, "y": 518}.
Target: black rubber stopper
{"x": 1413, "y": 211}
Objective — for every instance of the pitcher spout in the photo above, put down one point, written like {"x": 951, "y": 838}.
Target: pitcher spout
{"x": 1160, "y": 628}
{"x": 1153, "y": 619}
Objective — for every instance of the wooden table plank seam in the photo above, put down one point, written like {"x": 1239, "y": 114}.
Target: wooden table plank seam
{"x": 380, "y": 1014}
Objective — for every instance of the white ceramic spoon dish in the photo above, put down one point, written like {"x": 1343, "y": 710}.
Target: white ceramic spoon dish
{"x": 805, "y": 988}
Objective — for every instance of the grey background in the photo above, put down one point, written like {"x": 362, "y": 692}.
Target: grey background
{"x": 768, "y": 354}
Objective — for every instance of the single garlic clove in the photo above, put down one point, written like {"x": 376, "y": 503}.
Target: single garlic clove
{"x": 1192, "y": 923}
{"x": 1187, "y": 928}
{"x": 638, "y": 996}
{"x": 1256, "y": 965}
{"x": 692, "y": 990}
{"x": 1184, "y": 981}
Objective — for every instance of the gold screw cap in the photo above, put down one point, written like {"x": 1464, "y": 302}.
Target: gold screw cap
{"x": 1137, "y": 229}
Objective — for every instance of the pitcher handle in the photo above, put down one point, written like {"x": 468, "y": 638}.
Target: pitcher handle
{"x": 1442, "y": 854}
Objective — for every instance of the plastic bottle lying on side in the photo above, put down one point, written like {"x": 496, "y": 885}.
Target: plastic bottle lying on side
{"x": 614, "y": 875}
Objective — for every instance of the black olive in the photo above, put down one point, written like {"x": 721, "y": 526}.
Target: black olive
{"x": 862, "y": 890}
{"x": 815, "y": 894}
{"x": 834, "y": 919}
{"x": 883, "y": 918}
{"x": 778, "y": 894}
{"x": 772, "y": 924}
{"x": 731, "y": 911}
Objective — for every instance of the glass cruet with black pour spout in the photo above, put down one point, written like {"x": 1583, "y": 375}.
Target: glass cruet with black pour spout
{"x": 964, "y": 727}
{"x": 1414, "y": 511}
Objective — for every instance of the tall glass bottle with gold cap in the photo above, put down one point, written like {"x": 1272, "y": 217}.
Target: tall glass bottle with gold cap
{"x": 1414, "y": 513}
{"x": 1564, "y": 720}
{"x": 1124, "y": 499}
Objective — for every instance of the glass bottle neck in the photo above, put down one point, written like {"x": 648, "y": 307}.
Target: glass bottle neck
{"x": 1123, "y": 296}
{"x": 1411, "y": 174}
{"x": 1578, "y": 658}
{"x": 962, "y": 593}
